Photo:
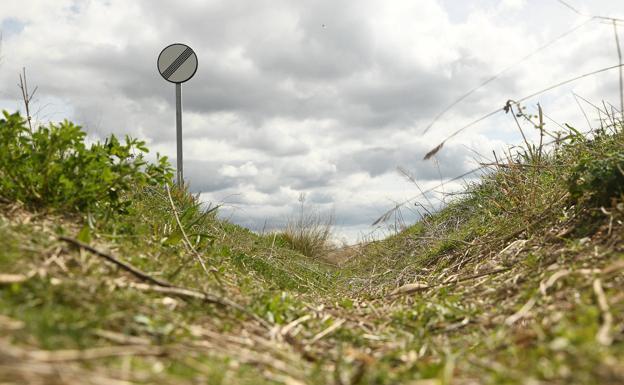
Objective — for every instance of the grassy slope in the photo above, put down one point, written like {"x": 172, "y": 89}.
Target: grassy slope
{"x": 519, "y": 282}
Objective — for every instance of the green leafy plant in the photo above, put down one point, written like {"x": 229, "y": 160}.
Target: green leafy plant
{"x": 599, "y": 172}
{"x": 52, "y": 167}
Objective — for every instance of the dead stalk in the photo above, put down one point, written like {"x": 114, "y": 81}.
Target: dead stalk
{"x": 124, "y": 265}
{"x": 327, "y": 331}
{"x": 187, "y": 242}
{"x": 619, "y": 51}
{"x": 193, "y": 294}
{"x": 603, "y": 336}
{"x": 26, "y": 96}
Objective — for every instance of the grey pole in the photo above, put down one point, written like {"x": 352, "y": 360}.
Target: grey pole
{"x": 179, "y": 177}
{"x": 177, "y": 63}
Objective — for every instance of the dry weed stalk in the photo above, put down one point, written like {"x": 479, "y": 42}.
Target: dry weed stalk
{"x": 27, "y": 96}
{"x": 309, "y": 232}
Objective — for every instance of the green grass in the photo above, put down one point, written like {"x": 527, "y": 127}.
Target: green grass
{"x": 455, "y": 332}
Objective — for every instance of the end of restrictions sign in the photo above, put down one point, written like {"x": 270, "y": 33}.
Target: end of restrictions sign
{"x": 177, "y": 63}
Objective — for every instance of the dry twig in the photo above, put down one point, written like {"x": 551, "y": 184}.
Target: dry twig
{"x": 327, "y": 331}
{"x": 603, "y": 336}
{"x": 26, "y": 96}
{"x": 8, "y": 279}
{"x": 188, "y": 293}
{"x": 187, "y": 242}
{"x": 163, "y": 286}
{"x": 523, "y": 312}
{"x": 415, "y": 287}
{"x": 124, "y": 265}
{"x": 20, "y": 354}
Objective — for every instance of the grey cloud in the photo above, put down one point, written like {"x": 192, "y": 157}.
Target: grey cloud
{"x": 205, "y": 176}
{"x": 323, "y": 62}
{"x": 377, "y": 161}
{"x": 321, "y": 65}
{"x": 332, "y": 41}
{"x": 271, "y": 176}
{"x": 293, "y": 173}
{"x": 318, "y": 197}
{"x": 273, "y": 143}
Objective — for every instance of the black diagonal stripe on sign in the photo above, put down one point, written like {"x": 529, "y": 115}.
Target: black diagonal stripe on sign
{"x": 177, "y": 63}
{"x": 173, "y": 67}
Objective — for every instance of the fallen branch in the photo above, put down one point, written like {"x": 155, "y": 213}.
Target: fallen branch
{"x": 288, "y": 328}
{"x": 523, "y": 312}
{"x": 281, "y": 378}
{"x": 8, "y": 279}
{"x": 327, "y": 331}
{"x": 415, "y": 287}
{"x": 188, "y": 293}
{"x": 124, "y": 265}
{"x": 161, "y": 286}
{"x": 603, "y": 336}
{"x": 613, "y": 268}
{"x": 32, "y": 372}
{"x": 120, "y": 338}
{"x": 82, "y": 355}
{"x": 247, "y": 355}
{"x": 97, "y": 353}
{"x": 9, "y": 324}
{"x": 544, "y": 286}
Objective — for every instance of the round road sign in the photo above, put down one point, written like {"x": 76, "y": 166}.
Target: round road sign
{"x": 177, "y": 63}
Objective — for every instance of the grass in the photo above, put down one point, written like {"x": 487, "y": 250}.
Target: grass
{"x": 521, "y": 281}
{"x": 309, "y": 232}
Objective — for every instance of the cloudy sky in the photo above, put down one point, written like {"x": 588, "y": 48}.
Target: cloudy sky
{"x": 322, "y": 97}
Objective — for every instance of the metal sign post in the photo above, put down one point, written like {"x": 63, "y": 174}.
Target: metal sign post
{"x": 179, "y": 173}
{"x": 177, "y": 63}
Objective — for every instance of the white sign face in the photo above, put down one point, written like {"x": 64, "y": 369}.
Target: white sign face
{"x": 177, "y": 63}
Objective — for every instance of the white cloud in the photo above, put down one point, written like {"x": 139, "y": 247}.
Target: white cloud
{"x": 513, "y": 5}
{"x": 246, "y": 170}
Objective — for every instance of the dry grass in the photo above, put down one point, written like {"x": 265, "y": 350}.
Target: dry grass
{"x": 519, "y": 281}
{"x": 309, "y": 232}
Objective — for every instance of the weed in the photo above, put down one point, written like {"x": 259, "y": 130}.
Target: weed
{"x": 507, "y": 295}
{"x": 52, "y": 167}
{"x": 598, "y": 175}
{"x": 309, "y": 232}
